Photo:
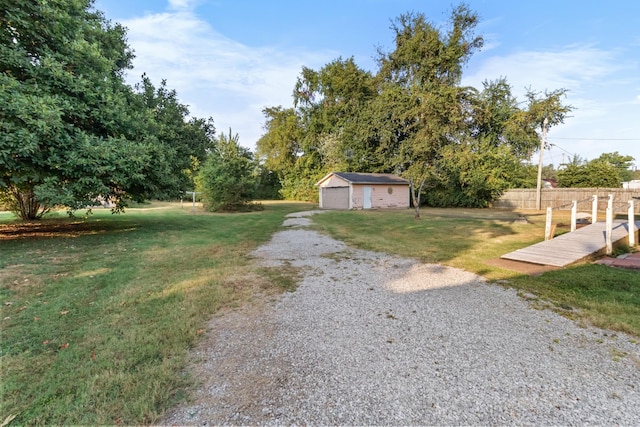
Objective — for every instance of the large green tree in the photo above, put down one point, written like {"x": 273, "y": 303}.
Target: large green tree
{"x": 302, "y": 144}
{"x": 329, "y": 103}
{"x": 72, "y": 131}
{"x": 281, "y": 150}
{"x": 421, "y": 77}
{"x": 621, "y": 162}
{"x": 227, "y": 180}
{"x": 179, "y": 143}
{"x": 62, "y": 98}
{"x": 412, "y": 117}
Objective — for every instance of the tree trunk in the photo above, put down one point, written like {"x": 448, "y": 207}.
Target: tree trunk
{"x": 416, "y": 197}
{"x": 26, "y": 205}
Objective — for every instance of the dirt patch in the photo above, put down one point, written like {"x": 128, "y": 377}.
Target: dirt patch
{"x": 32, "y": 230}
{"x": 19, "y": 279}
{"x": 232, "y": 377}
{"x": 521, "y": 267}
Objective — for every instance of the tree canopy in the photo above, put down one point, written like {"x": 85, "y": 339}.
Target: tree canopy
{"x": 608, "y": 170}
{"x": 411, "y": 117}
{"x": 73, "y": 131}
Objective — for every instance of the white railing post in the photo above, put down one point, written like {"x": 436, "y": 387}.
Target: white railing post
{"x": 632, "y": 225}
{"x": 594, "y": 209}
{"x": 610, "y": 203}
{"x": 547, "y": 227}
{"x": 193, "y": 200}
{"x": 609, "y": 230}
{"x": 574, "y": 214}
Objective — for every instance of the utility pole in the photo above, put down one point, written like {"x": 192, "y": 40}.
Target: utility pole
{"x": 543, "y": 142}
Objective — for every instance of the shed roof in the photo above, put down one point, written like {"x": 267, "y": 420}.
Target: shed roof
{"x": 367, "y": 178}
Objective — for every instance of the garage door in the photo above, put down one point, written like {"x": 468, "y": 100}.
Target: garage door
{"x": 334, "y": 197}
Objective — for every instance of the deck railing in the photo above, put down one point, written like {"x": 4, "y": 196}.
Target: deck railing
{"x": 550, "y": 228}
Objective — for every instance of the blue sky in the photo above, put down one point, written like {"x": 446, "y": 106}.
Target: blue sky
{"x": 229, "y": 59}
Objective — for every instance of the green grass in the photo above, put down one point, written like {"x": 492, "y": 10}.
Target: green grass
{"x": 98, "y": 315}
{"x": 442, "y": 235}
{"x": 466, "y": 238}
{"x": 603, "y": 296}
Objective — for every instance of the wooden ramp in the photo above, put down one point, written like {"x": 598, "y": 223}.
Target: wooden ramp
{"x": 571, "y": 247}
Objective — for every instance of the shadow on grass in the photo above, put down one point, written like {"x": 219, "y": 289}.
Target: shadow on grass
{"x": 60, "y": 228}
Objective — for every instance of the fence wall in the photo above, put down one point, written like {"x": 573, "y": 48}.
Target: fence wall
{"x": 555, "y": 197}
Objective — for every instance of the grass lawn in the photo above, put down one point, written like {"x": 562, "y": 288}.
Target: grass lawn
{"x": 466, "y": 238}
{"x": 98, "y": 315}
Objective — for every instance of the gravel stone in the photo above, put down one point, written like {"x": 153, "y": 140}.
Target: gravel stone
{"x": 373, "y": 339}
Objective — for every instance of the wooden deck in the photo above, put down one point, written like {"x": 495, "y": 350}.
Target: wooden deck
{"x": 571, "y": 247}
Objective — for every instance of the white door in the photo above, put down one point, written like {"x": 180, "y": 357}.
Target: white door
{"x": 366, "y": 202}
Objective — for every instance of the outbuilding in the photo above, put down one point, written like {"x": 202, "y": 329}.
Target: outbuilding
{"x": 350, "y": 190}
{"x": 631, "y": 184}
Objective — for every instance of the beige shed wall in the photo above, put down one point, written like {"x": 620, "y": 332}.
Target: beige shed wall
{"x": 380, "y": 197}
{"x": 334, "y": 181}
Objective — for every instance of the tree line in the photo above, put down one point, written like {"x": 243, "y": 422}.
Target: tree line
{"x": 74, "y": 133}
{"x": 608, "y": 170}
{"x": 458, "y": 146}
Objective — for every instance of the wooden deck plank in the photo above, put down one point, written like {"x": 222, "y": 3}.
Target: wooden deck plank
{"x": 539, "y": 259}
{"x": 570, "y": 247}
{"x": 560, "y": 251}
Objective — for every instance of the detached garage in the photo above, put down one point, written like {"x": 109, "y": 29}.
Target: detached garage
{"x": 350, "y": 190}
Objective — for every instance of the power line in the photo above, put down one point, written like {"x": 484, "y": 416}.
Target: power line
{"x": 557, "y": 146}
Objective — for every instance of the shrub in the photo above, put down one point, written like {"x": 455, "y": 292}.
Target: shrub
{"x": 226, "y": 180}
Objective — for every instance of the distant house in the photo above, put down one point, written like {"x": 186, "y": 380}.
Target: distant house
{"x": 631, "y": 184}
{"x": 549, "y": 183}
{"x": 349, "y": 190}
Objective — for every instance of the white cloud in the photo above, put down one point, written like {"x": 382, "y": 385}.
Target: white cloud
{"x": 598, "y": 82}
{"x": 491, "y": 39}
{"x": 183, "y": 4}
{"x": 233, "y": 82}
{"x": 568, "y": 68}
{"x": 215, "y": 75}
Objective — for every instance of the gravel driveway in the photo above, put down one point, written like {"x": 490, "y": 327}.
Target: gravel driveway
{"x": 369, "y": 338}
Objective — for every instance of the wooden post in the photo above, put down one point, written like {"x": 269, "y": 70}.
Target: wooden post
{"x": 632, "y": 225}
{"x": 547, "y": 227}
{"x": 574, "y": 214}
{"x": 594, "y": 209}
{"x": 609, "y": 230}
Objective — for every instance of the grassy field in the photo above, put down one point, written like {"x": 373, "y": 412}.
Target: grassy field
{"x": 98, "y": 315}
{"x": 466, "y": 238}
